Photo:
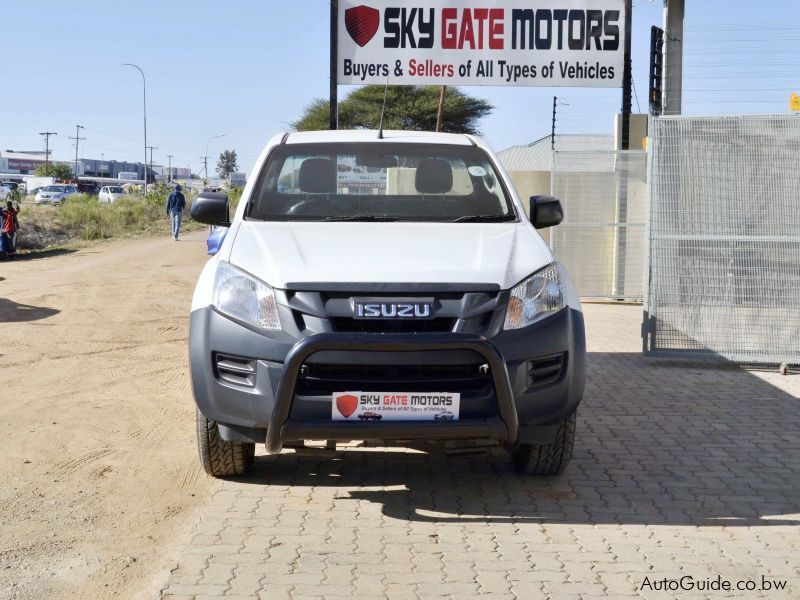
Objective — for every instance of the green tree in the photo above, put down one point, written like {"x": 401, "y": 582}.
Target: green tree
{"x": 407, "y": 107}
{"x": 227, "y": 163}
{"x": 57, "y": 170}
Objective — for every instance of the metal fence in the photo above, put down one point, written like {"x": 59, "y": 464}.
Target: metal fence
{"x": 723, "y": 258}
{"x": 601, "y": 241}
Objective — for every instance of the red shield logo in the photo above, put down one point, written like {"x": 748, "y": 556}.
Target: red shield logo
{"x": 362, "y": 23}
{"x": 347, "y": 405}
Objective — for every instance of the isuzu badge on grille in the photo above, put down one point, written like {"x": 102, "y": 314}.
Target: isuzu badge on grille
{"x": 392, "y": 310}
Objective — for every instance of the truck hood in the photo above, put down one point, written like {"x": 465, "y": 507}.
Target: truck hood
{"x": 282, "y": 253}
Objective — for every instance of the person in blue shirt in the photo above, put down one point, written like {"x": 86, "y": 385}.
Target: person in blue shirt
{"x": 175, "y": 205}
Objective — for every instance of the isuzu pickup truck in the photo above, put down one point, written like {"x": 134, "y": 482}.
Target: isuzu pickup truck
{"x": 384, "y": 287}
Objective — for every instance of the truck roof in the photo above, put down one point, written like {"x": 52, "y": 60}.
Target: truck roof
{"x": 371, "y": 135}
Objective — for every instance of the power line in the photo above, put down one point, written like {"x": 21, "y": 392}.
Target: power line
{"x": 132, "y": 140}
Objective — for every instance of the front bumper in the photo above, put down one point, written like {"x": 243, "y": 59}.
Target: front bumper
{"x": 273, "y": 408}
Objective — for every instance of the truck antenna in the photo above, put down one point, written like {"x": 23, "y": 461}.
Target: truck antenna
{"x": 383, "y": 109}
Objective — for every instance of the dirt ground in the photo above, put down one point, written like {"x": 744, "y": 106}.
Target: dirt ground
{"x": 99, "y": 479}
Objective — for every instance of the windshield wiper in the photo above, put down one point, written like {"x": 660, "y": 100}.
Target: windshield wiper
{"x": 483, "y": 218}
{"x": 361, "y": 218}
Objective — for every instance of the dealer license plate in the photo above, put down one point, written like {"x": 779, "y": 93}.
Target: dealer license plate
{"x": 395, "y": 406}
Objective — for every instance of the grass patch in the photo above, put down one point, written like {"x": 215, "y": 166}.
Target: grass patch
{"x": 83, "y": 218}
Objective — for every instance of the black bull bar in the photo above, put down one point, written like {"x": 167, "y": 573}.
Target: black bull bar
{"x": 280, "y": 428}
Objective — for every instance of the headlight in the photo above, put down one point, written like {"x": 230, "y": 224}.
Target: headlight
{"x": 538, "y": 296}
{"x": 242, "y": 296}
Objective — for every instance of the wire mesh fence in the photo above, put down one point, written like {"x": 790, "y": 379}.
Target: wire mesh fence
{"x": 601, "y": 241}
{"x": 724, "y": 238}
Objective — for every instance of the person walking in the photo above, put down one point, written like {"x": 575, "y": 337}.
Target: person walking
{"x": 175, "y": 205}
{"x": 8, "y": 229}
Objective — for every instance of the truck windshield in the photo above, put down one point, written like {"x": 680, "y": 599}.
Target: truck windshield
{"x": 379, "y": 182}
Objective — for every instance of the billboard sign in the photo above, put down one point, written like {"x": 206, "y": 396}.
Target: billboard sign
{"x": 553, "y": 43}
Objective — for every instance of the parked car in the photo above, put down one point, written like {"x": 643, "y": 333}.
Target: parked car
{"x": 55, "y": 194}
{"x": 437, "y": 291}
{"x": 16, "y": 191}
{"x": 110, "y": 193}
{"x": 90, "y": 188}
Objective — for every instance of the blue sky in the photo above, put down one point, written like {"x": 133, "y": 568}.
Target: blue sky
{"x": 245, "y": 68}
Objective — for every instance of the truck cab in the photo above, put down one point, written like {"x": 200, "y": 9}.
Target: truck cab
{"x": 385, "y": 288}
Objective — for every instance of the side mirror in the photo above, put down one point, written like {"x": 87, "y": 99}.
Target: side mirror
{"x": 546, "y": 211}
{"x": 211, "y": 208}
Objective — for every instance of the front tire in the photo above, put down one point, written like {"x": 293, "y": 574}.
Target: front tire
{"x": 218, "y": 457}
{"x": 548, "y": 459}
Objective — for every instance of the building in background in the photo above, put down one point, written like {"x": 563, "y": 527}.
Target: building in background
{"x": 20, "y": 162}
{"x": 22, "y": 165}
{"x": 163, "y": 173}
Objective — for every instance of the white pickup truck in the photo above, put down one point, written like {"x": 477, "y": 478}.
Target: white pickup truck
{"x": 415, "y": 303}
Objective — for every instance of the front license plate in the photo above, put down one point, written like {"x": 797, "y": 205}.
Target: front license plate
{"x": 395, "y": 406}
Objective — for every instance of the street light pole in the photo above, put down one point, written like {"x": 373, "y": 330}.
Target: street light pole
{"x": 206, "y": 154}
{"x": 144, "y": 112}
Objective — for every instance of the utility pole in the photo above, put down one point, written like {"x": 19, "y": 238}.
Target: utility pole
{"x": 47, "y": 135}
{"x": 205, "y": 158}
{"x": 151, "y": 162}
{"x": 169, "y": 169}
{"x": 205, "y": 167}
{"x": 674, "y": 11}
{"x": 77, "y": 139}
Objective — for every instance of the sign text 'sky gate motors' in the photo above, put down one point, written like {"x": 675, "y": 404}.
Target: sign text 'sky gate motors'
{"x": 575, "y": 43}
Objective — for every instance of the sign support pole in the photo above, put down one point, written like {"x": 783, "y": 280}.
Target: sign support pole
{"x": 334, "y": 95}
{"x": 621, "y": 231}
{"x": 440, "y": 113}
{"x": 627, "y": 79}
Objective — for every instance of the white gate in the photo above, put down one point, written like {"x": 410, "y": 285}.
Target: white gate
{"x": 723, "y": 256}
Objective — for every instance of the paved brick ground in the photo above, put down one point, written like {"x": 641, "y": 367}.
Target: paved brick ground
{"x": 680, "y": 469}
